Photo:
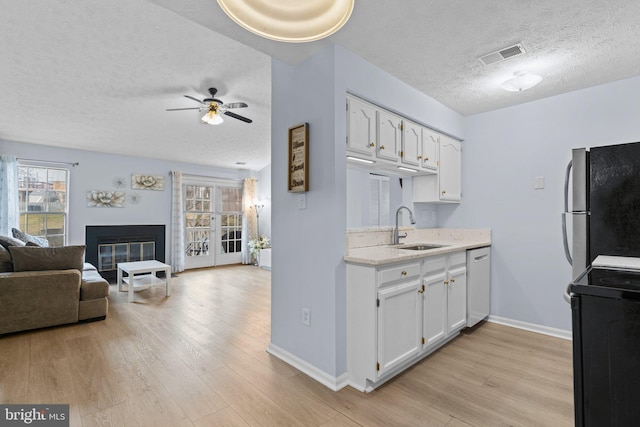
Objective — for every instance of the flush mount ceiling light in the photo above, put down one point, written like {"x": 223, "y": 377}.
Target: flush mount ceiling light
{"x": 521, "y": 81}
{"x": 293, "y": 21}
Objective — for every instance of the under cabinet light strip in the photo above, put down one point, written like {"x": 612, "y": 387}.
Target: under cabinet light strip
{"x": 357, "y": 159}
{"x": 407, "y": 169}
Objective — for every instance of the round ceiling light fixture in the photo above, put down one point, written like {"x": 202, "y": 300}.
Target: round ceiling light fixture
{"x": 521, "y": 81}
{"x": 293, "y": 21}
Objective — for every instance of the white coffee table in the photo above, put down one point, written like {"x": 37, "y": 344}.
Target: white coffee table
{"x": 137, "y": 281}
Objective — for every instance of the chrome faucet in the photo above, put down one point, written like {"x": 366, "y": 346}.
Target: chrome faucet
{"x": 396, "y": 235}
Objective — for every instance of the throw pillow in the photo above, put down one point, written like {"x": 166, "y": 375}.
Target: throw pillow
{"x": 7, "y": 241}
{"x": 31, "y": 258}
{"x": 21, "y": 235}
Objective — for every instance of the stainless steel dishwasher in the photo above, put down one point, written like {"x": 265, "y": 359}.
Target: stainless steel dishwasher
{"x": 478, "y": 284}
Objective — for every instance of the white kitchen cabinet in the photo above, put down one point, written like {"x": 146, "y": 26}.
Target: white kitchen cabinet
{"x": 361, "y": 127}
{"x": 399, "y": 329}
{"x": 400, "y": 313}
{"x": 444, "y": 304}
{"x": 435, "y": 307}
{"x": 411, "y": 154}
{"x": 389, "y": 136}
{"x": 445, "y": 186}
{"x": 450, "y": 169}
{"x": 430, "y": 149}
{"x": 456, "y": 299}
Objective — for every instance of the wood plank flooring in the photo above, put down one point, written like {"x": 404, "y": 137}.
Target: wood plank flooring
{"x": 198, "y": 359}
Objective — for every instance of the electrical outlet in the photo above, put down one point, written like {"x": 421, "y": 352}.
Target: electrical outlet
{"x": 306, "y": 317}
{"x": 538, "y": 183}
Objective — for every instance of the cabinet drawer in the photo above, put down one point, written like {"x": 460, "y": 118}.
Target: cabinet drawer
{"x": 435, "y": 265}
{"x": 458, "y": 259}
{"x": 399, "y": 272}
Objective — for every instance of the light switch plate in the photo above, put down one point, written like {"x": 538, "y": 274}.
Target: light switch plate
{"x": 538, "y": 183}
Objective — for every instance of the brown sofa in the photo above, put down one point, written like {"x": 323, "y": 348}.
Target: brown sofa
{"x": 52, "y": 286}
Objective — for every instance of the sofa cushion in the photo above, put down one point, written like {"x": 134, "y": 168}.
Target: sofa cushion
{"x": 7, "y": 241}
{"x": 28, "y": 238}
{"x": 93, "y": 286}
{"x": 5, "y": 260}
{"x": 31, "y": 258}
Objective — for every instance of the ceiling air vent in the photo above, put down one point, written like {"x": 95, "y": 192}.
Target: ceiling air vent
{"x": 502, "y": 54}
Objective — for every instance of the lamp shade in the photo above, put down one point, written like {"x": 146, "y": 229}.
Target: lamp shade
{"x": 521, "y": 81}
{"x": 292, "y": 21}
{"x": 212, "y": 118}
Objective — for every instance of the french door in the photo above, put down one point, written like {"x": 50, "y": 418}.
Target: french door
{"x": 213, "y": 223}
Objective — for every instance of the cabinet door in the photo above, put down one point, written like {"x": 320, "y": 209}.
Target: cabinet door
{"x": 434, "y": 313}
{"x": 430, "y": 145}
{"x": 399, "y": 322}
{"x": 450, "y": 169}
{"x": 411, "y": 144}
{"x": 389, "y": 136}
{"x": 361, "y": 127}
{"x": 457, "y": 299}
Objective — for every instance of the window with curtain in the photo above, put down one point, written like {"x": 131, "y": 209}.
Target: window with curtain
{"x": 43, "y": 202}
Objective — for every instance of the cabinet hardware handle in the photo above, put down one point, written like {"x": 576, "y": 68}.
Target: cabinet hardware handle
{"x": 421, "y": 291}
{"x": 446, "y": 282}
{"x": 426, "y": 158}
{"x": 402, "y": 154}
{"x": 373, "y": 144}
{"x": 444, "y": 192}
{"x": 404, "y": 273}
{"x": 453, "y": 280}
{"x": 382, "y": 147}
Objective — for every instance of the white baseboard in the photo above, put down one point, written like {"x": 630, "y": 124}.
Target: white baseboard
{"x": 334, "y": 383}
{"x": 558, "y": 333}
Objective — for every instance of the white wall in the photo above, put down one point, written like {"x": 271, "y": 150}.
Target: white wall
{"x": 503, "y": 152}
{"x": 308, "y": 267}
{"x": 96, "y": 171}
{"x": 264, "y": 195}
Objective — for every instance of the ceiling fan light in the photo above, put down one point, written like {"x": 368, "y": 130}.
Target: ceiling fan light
{"x": 211, "y": 118}
{"x": 521, "y": 81}
{"x": 291, "y": 21}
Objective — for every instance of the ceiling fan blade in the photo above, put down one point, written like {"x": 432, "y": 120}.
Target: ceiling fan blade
{"x": 195, "y": 99}
{"x": 237, "y": 116}
{"x": 213, "y": 91}
{"x": 179, "y": 109}
{"x": 235, "y": 105}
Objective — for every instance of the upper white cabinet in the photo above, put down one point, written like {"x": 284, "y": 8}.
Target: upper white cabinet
{"x": 412, "y": 146}
{"x": 450, "y": 169}
{"x": 389, "y": 136}
{"x": 445, "y": 186}
{"x": 430, "y": 149}
{"x": 361, "y": 127}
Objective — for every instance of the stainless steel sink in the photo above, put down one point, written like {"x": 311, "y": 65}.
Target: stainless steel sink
{"x": 419, "y": 246}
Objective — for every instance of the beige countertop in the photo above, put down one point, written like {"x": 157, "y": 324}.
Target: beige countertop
{"x": 382, "y": 252}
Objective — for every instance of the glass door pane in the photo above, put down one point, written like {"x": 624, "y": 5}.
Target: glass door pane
{"x": 199, "y": 232}
{"x": 230, "y": 225}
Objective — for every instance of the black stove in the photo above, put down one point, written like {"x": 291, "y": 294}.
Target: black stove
{"x": 608, "y": 283}
{"x": 605, "y": 305}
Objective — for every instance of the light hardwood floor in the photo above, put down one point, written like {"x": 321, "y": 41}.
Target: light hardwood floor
{"x": 198, "y": 358}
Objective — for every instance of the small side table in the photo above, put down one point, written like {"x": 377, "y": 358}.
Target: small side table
{"x": 143, "y": 281}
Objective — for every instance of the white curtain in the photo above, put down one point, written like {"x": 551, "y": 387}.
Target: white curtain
{"x": 177, "y": 223}
{"x": 249, "y": 223}
{"x": 8, "y": 194}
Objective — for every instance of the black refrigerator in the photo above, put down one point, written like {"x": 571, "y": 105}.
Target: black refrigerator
{"x": 605, "y": 292}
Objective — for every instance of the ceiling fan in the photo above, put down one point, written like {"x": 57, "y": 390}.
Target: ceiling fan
{"x": 214, "y": 108}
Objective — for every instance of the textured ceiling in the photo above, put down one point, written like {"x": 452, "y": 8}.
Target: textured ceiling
{"x": 98, "y": 75}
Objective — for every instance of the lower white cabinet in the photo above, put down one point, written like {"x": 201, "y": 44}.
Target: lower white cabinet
{"x": 399, "y": 313}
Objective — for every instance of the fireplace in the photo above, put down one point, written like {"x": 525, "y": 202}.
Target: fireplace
{"x": 107, "y": 245}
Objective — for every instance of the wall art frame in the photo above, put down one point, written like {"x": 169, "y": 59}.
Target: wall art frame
{"x": 298, "y": 181}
